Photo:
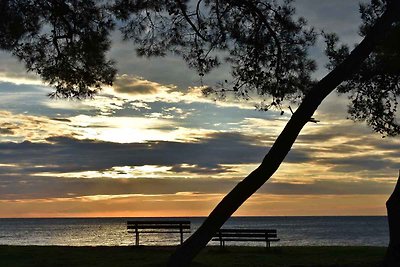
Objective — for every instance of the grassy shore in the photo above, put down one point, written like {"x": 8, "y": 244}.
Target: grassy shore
{"x": 57, "y": 256}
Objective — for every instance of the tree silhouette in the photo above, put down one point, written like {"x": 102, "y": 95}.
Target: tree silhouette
{"x": 65, "y": 43}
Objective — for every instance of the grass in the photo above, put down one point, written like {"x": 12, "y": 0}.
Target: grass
{"x": 58, "y": 256}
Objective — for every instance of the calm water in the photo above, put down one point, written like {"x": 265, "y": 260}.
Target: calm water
{"x": 293, "y": 231}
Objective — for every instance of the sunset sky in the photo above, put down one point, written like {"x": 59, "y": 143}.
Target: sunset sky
{"x": 152, "y": 145}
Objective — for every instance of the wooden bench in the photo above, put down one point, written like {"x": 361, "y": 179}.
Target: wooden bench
{"x": 246, "y": 235}
{"x": 158, "y": 227}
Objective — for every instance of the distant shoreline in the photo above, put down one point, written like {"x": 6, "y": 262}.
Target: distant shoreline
{"x": 50, "y": 256}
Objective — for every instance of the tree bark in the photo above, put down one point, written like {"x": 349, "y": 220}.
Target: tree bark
{"x": 241, "y": 192}
{"x": 392, "y": 258}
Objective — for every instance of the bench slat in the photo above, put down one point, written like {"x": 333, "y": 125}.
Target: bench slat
{"x": 158, "y": 222}
{"x": 245, "y": 235}
{"x": 244, "y": 239}
{"x": 226, "y": 230}
{"x": 161, "y": 226}
{"x": 248, "y": 240}
{"x": 160, "y": 232}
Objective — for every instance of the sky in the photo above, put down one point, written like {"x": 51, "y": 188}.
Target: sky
{"x": 153, "y": 145}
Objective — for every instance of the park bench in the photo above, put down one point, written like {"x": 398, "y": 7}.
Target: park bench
{"x": 158, "y": 227}
{"x": 246, "y": 235}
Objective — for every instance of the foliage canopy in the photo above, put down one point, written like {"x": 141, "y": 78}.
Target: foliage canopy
{"x": 266, "y": 45}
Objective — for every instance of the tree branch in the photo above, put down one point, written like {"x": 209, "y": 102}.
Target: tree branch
{"x": 185, "y": 15}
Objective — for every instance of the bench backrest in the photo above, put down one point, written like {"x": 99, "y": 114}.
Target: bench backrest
{"x": 158, "y": 224}
{"x": 270, "y": 233}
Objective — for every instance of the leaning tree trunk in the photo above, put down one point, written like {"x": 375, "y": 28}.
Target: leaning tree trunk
{"x": 231, "y": 202}
{"x": 392, "y": 258}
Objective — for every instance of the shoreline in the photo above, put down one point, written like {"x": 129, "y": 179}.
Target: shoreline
{"x": 121, "y": 256}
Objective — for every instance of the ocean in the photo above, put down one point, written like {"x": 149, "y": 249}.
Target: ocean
{"x": 293, "y": 231}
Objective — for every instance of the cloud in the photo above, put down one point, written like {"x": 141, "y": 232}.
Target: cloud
{"x": 12, "y": 187}
{"x": 204, "y": 155}
{"x": 5, "y": 130}
{"x": 20, "y": 127}
{"x": 61, "y": 119}
{"x": 196, "y": 169}
{"x": 134, "y": 85}
{"x": 329, "y": 187}
{"x": 361, "y": 163}
{"x": 69, "y": 154}
{"x": 211, "y": 153}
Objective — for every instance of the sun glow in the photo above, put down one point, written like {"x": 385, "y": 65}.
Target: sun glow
{"x": 132, "y": 129}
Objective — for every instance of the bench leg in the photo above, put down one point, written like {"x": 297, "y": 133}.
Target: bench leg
{"x": 137, "y": 237}
{"x": 181, "y": 235}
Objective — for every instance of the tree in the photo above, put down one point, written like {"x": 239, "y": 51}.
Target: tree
{"x": 393, "y": 210}
{"x": 65, "y": 42}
